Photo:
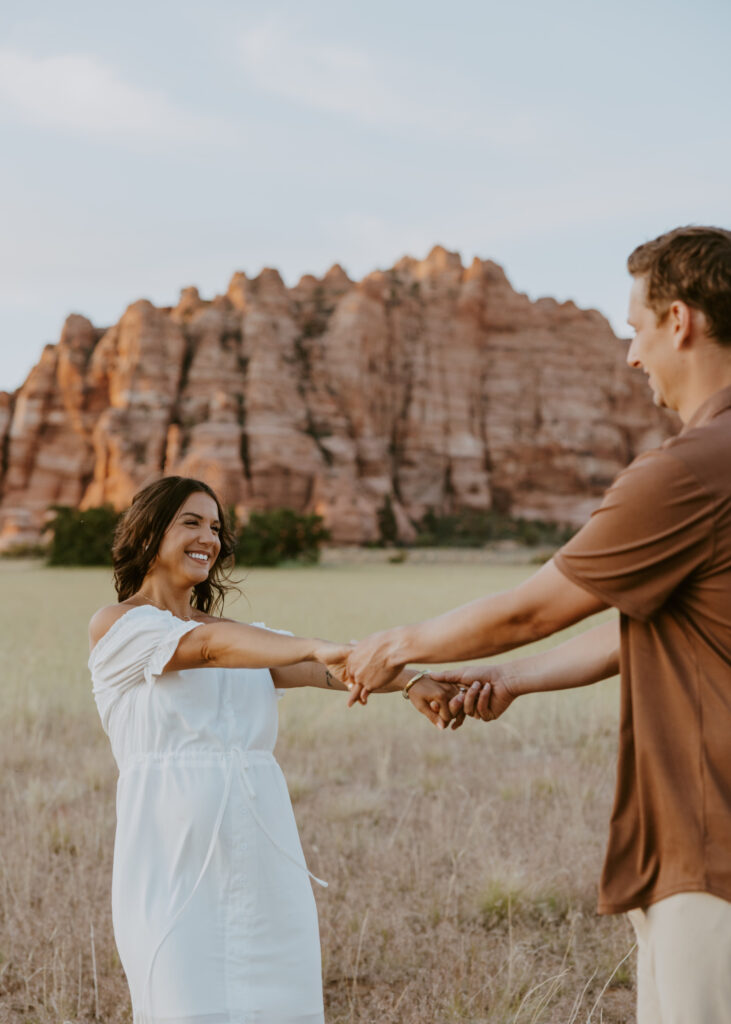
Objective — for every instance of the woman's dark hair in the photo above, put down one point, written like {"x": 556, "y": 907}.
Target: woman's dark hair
{"x": 140, "y": 531}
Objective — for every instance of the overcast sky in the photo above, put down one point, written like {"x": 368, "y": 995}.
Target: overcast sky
{"x": 148, "y": 146}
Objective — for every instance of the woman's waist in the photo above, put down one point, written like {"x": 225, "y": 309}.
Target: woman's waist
{"x": 198, "y": 756}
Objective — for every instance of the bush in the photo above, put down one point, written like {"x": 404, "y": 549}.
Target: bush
{"x": 387, "y": 525}
{"x": 473, "y": 528}
{"x": 280, "y": 535}
{"x": 25, "y": 550}
{"x": 82, "y": 537}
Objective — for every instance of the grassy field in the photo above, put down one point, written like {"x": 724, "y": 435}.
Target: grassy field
{"x": 462, "y": 866}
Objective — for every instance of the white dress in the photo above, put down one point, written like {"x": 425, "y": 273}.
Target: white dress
{"x": 213, "y": 912}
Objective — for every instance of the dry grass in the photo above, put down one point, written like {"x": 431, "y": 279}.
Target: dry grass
{"x": 462, "y": 867}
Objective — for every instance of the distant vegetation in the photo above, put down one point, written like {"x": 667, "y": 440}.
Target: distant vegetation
{"x": 25, "y": 550}
{"x": 269, "y": 538}
{"x": 472, "y": 528}
{"x": 82, "y": 536}
{"x": 280, "y": 535}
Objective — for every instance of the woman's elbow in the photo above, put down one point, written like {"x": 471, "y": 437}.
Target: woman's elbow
{"x": 197, "y": 649}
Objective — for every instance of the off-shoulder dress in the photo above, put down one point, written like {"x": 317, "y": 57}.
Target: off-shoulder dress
{"x": 213, "y": 911}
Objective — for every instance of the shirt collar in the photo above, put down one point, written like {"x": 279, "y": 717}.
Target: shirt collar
{"x": 716, "y": 403}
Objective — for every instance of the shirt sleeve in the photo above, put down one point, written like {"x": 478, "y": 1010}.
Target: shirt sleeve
{"x": 653, "y": 529}
{"x": 133, "y": 651}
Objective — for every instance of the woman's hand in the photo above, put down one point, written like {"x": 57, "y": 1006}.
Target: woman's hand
{"x": 334, "y": 657}
{"x": 485, "y": 692}
{"x": 432, "y": 699}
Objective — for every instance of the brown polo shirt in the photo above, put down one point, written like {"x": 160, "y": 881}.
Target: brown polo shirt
{"x": 659, "y": 550}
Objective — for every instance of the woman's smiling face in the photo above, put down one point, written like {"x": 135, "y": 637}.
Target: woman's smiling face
{"x": 191, "y": 543}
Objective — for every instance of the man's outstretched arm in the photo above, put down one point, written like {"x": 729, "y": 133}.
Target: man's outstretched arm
{"x": 544, "y": 604}
{"x": 491, "y": 689}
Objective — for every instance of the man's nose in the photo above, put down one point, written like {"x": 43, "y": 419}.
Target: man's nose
{"x": 632, "y": 357}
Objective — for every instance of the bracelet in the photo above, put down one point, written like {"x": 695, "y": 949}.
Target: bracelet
{"x": 414, "y": 679}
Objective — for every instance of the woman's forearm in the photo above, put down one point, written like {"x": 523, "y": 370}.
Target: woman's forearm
{"x": 310, "y": 673}
{"x": 584, "y": 659}
{"x": 237, "y": 645}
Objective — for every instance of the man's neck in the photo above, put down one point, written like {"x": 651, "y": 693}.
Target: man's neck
{"x": 704, "y": 378}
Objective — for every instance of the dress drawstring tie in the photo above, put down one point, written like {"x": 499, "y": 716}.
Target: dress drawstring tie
{"x": 243, "y": 760}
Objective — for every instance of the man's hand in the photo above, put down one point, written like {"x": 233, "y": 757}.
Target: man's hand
{"x": 486, "y": 693}
{"x": 369, "y": 668}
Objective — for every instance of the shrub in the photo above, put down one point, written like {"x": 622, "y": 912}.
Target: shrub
{"x": 387, "y": 525}
{"x": 280, "y": 535}
{"x": 474, "y": 528}
{"x": 82, "y": 536}
{"x": 25, "y": 550}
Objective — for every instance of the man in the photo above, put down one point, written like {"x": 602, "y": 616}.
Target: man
{"x": 659, "y": 550}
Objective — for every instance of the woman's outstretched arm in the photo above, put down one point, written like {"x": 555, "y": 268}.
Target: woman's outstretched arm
{"x": 427, "y": 695}
{"x": 227, "y": 644}
{"x": 312, "y": 673}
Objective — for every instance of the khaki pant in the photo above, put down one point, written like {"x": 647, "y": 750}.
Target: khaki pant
{"x": 684, "y": 960}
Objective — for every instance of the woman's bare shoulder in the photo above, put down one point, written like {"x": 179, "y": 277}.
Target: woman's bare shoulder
{"x": 104, "y": 619}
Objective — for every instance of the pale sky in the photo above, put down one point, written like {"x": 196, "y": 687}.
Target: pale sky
{"x": 149, "y": 146}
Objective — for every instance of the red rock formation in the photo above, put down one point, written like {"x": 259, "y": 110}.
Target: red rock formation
{"x": 436, "y": 384}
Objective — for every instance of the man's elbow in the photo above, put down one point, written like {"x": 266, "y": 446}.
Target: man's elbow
{"x": 532, "y": 621}
{"x": 552, "y": 618}
{"x": 530, "y": 624}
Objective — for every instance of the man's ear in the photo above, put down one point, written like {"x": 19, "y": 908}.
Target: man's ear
{"x": 681, "y": 315}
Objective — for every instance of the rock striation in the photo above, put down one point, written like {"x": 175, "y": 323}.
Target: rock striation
{"x": 433, "y": 383}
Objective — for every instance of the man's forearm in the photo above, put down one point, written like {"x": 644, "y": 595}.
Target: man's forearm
{"x": 543, "y": 604}
{"x": 480, "y": 629}
{"x": 584, "y": 659}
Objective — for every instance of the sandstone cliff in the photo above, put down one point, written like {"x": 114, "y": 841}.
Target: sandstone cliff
{"x": 431, "y": 382}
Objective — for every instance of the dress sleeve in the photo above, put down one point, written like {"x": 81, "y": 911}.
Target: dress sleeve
{"x": 283, "y": 632}
{"x": 653, "y": 529}
{"x": 133, "y": 651}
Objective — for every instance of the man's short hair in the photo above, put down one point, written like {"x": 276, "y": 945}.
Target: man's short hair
{"x": 692, "y": 264}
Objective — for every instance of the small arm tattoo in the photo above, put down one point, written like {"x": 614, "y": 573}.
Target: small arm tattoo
{"x": 329, "y": 678}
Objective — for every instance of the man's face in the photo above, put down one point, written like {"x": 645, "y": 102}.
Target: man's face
{"x": 652, "y": 348}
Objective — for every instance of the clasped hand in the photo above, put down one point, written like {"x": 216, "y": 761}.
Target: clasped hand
{"x": 446, "y": 697}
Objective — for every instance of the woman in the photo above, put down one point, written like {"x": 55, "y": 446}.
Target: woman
{"x": 213, "y": 913}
